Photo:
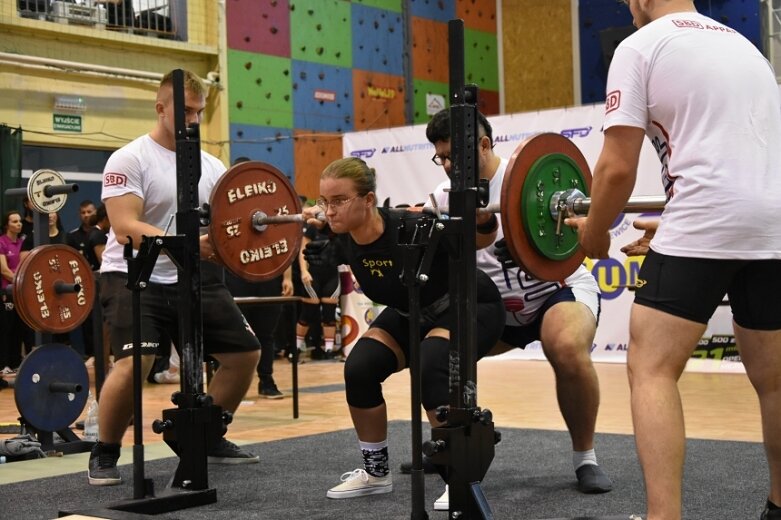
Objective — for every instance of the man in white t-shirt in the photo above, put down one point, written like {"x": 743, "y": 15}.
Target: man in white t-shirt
{"x": 140, "y": 194}
{"x": 708, "y": 101}
{"x": 562, "y": 315}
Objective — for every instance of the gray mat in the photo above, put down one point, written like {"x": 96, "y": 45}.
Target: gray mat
{"x": 530, "y": 478}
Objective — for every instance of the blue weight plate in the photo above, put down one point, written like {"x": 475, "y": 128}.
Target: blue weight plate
{"x": 38, "y": 404}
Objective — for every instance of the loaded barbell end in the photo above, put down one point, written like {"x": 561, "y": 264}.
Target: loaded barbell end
{"x": 61, "y": 287}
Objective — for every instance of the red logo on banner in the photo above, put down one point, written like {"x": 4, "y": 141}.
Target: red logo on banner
{"x": 613, "y": 101}
{"x": 114, "y": 179}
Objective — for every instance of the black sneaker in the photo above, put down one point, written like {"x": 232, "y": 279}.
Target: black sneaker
{"x": 269, "y": 391}
{"x": 593, "y": 479}
{"x": 103, "y": 465}
{"x": 770, "y": 514}
{"x": 225, "y": 452}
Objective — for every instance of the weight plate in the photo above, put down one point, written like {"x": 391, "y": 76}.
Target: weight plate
{"x": 35, "y": 187}
{"x": 244, "y": 190}
{"x": 44, "y": 407}
{"x": 541, "y": 166}
{"x": 35, "y": 289}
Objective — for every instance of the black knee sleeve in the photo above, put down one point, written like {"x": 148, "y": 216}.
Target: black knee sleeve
{"x": 310, "y": 313}
{"x": 368, "y": 365}
{"x": 329, "y": 313}
{"x": 435, "y": 373}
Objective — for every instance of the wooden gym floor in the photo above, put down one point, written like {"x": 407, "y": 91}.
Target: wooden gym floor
{"x": 521, "y": 394}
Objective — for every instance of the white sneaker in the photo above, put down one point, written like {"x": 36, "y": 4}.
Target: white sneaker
{"x": 358, "y": 483}
{"x": 443, "y": 502}
{"x": 166, "y": 377}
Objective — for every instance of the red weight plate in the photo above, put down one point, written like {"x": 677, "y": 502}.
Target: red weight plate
{"x": 244, "y": 190}
{"x": 39, "y": 303}
{"x": 512, "y": 213}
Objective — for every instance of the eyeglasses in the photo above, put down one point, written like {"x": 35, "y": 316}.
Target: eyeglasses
{"x": 440, "y": 160}
{"x": 334, "y": 204}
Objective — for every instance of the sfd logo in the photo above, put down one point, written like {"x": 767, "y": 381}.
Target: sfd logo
{"x": 613, "y": 101}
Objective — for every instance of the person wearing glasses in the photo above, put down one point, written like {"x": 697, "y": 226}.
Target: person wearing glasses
{"x": 366, "y": 238}
{"x": 561, "y": 315}
{"x": 708, "y": 101}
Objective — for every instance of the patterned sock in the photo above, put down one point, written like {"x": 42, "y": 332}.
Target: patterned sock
{"x": 581, "y": 458}
{"x": 375, "y": 457}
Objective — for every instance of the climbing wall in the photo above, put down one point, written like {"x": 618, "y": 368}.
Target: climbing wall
{"x": 303, "y": 72}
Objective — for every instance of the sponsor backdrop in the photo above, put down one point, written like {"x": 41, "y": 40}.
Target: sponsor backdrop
{"x": 406, "y": 174}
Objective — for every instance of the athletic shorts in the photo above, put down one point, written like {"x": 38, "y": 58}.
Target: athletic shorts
{"x": 224, "y": 328}
{"x": 490, "y": 319}
{"x": 521, "y": 336}
{"x": 324, "y": 285}
{"x": 692, "y": 288}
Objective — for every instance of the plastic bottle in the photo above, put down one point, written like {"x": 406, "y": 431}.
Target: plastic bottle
{"x": 91, "y": 422}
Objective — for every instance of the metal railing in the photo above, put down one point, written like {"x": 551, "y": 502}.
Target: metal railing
{"x": 144, "y": 17}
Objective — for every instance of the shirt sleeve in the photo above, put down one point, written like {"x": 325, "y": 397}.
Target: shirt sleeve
{"x": 626, "y": 100}
{"x": 122, "y": 175}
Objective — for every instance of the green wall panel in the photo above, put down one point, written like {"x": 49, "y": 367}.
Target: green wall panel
{"x": 260, "y": 89}
{"x": 321, "y": 32}
{"x": 388, "y": 5}
{"x": 481, "y": 59}
{"x": 420, "y": 89}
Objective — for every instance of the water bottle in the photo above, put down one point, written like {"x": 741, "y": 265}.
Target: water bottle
{"x": 91, "y": 422}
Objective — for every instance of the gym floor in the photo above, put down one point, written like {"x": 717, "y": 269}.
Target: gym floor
{"x": 521, "y": 394}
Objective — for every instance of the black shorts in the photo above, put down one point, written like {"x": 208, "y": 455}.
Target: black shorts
{"x": 224, "y": 328}
{"x": 490, "y": 319}
{"x": 692, "y": 288}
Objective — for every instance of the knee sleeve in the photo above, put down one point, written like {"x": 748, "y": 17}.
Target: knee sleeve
{"x": 310, "y": 313}
{"x": 368, "y": 365}
{"x": 329, "y": 313}
{"x": 435, "y": 372}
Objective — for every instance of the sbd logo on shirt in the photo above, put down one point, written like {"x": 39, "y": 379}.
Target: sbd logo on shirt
{"x": 613, "y": 101}
{"x": 114, "y": 179}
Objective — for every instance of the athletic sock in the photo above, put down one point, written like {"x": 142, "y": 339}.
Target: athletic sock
{"x": 329, "y": 345}
{"x": 581, "y": 458}
{"x": 375, "y": 457}
{"x": 300, "y": 343}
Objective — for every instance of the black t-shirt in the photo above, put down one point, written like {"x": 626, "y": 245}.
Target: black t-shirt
{"x": 96, "y": 237}
{"x": 377, "y": 266}
{"x": 78, "y": 239}
{"x": 29, "y": 240}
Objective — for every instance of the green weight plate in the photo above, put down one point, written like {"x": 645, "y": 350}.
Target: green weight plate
{"x": 540, "y": 166}
{"x": 551, "y": 173}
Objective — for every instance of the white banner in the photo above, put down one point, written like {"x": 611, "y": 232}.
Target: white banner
{"x": 406, "y": 174}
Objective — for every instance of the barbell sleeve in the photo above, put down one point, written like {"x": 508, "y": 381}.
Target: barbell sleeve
{"x": 66, "y": 288}
{"x": 638, "y": 204}
{"x": 50, "y": 190}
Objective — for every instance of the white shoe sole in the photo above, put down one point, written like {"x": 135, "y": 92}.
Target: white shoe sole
{"x": 376, "y": 490}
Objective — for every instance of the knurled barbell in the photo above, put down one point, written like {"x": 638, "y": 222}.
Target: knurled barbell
{"x": 256, "y": 222}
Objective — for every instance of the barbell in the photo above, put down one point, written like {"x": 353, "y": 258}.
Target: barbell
{"x": 255, "y": 222}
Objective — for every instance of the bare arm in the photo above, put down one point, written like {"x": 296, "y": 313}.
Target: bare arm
{"x": 287, "y": 281}
{"x": 5, "y": 270}
{"x": 614, "y": 180}
{"x": 98, "y": 250}
{"x": 306, "y": 277}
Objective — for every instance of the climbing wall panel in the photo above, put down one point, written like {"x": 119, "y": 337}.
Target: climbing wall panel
{"x": 379, "y": 100}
